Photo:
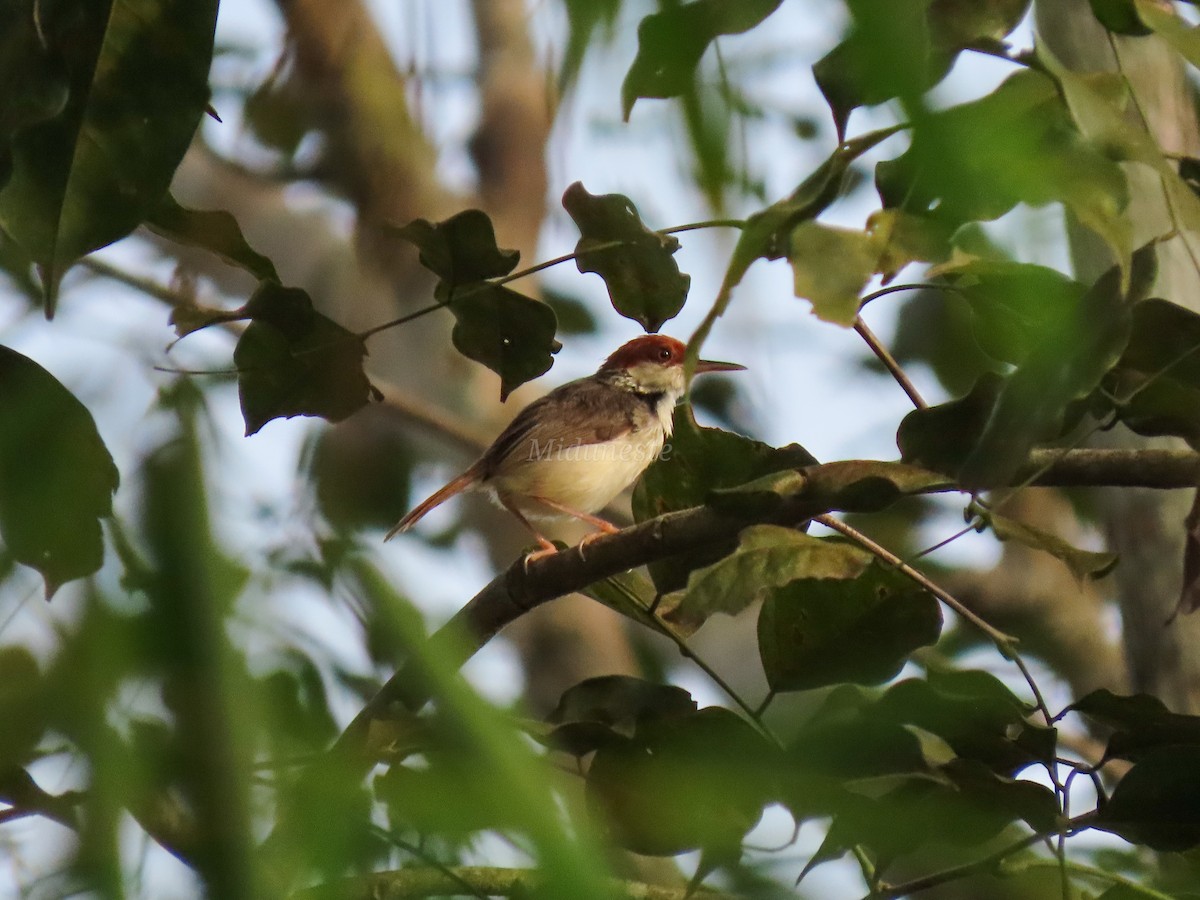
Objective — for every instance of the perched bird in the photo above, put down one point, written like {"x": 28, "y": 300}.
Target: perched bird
{"x": 572, "y": 451}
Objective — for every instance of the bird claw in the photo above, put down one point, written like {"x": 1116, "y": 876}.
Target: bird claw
{"x": 589, "y": 538}
{"x": 546, "y": 549}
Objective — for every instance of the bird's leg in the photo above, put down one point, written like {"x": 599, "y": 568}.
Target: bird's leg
{"x": 603, "y": 526}
{"x": 546, "y": 546}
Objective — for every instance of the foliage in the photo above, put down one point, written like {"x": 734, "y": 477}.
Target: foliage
{"x": 915, "y": 757}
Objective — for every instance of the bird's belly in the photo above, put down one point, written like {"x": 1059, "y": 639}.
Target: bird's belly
{"x": 584, "y": 477}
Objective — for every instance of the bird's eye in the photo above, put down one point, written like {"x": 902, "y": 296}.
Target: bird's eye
{"x": 664, "y": 354}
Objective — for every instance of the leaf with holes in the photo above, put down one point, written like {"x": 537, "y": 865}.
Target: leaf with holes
{"x": 461, "y": 249}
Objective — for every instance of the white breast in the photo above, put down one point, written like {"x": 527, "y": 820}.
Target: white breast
{"x": 584, "y": 477}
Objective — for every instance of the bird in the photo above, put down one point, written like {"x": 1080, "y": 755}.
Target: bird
{"x": 570, "y": 452}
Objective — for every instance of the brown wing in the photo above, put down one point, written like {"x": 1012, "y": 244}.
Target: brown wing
{"x": 580, "y": 412}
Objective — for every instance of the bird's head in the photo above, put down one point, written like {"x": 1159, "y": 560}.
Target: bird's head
{"x": 653, "y": 364}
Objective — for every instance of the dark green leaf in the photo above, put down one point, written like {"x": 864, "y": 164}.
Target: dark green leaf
{"x": 612, "y": 708}
{"x": 1015, "y": 145}
{"x": 1141, "y": 723}
{"x": 671, "y": 42}
{"x": 460, "y": 249}
{"x": 941, "y": 437}
{"x": 25, "y": 60}
{"x": 293, "y": 361}
{"x": 1157, "y": 803}
{"x": 574, "y": 316}
{"x": 1084, "y": 564}
{"x": 278, "y": 115}
{"x": 767, "y": 556}
{"x": 696, "y": 462}
{"x": 1119, "y": 16}
{"x": 637, "y": 264}
{"x": 629, "y": 593}
{"x": 56, "y": 476}
{"x": 1067, "y": 364}
{"x": 22, "y": 707}
{"x": 584, "y": 17}
{"x": 868, "y": 485}
{"x": 89, "y": 175}
{"x": 511, "y": 334}
{"x": 685, "y": 782}
{"x": 814, "y": 633}
{"x": 214, "y": 230}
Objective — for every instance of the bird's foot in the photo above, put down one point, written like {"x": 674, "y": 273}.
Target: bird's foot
{"x": 591, "y": 537}
{"x": 545, "y": 548}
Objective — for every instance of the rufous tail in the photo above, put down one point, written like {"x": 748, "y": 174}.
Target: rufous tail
{"x": 440, "y": 496}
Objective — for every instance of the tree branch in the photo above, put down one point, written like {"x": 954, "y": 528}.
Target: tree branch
{"x": 476, "y": 881}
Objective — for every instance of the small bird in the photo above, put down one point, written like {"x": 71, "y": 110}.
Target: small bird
{"x": 570, "y": 452}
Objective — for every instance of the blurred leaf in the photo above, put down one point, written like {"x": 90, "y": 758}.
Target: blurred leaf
{"x": 1157, "y": 803}
{"x": 1156, "y": 382}
{"x": 1119, "y": 16}
{"x": 833, "y": 290}
{"x": 695, "y": 781}
{"x": 573, "y": 314}
{"x": 908, "y": 50}
{"x": 511, "y": 334}
{"x": 1017, "y": 144}
{"x": 698, "y": 461}
{"x": 671, "y": 42}
{"x": 277, "y": 114}
{"x": 25, "y": 60}
{"x": 767, "y": 556}
{"x": 16, "y": 264}
{"x": 904, "y": 237}
{"x": 629, "y": 593}
{"x": 584, "y": 17}
{"x": 293, "y": 361}
{"x": 601, "y": 711}
{"x": 1012, "y": 304}
{"x": 295, "y": 705}
{"x": 767, "y": 233}
{"x": 214, "y": 230}
{"x": 51, "y": 459}
{"x": 89, "y": 175}
{"x": 461, "y": 249}
{"x": 813, "y": 633}
{"x": 1085, "y": 565}
{"x": 637, "y": 264}
{"x": 941, "y": 437}
{"x": 1068, "y": 363}
{"x": 1183, "y": 38}
{"x": 1141, "y": 723}
{"x": 22, "y": 706}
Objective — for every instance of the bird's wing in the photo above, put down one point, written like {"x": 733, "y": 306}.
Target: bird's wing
{"x": 576, "y": 414}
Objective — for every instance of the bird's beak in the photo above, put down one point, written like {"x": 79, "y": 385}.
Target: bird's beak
{"x": 708, "y": 365}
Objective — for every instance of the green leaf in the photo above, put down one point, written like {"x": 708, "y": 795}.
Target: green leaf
{"x": 767, "y": 233}
{"x": 1119, "y": 16}
{"x": 671, "y": 42}
{"x": 1015, "y": 145}
{"x": 22, "y": 707}
{"x": 511, "y": 334}
{"x": 833, "y": 290}
{"x": 1068, "y": 363}
{"x": 214, "y": 230}
{"x": 629, "y": 593}
{"x": 941, "y": 437}
{"x": 584, "y": 17}
{"x": 293, "y": 361}
{"x": 1141, "y": 723}
{"x": 1157, "y": 803}
{"x": 814, "y": 633}
{"x": 908, "y": 50}
{"x": 684, "y": 782}
{"x": 612, "y": 708}
{"x": 1157, "y": 380}
{"x": 696, "y": 462}
{"x": 1085, "y": 565}
{"x": 461, "y": 249}
{"x": 637, "y": 264}
{"x": 91, "y": 174}
{"x": 767, "y": 556}
{"x": 25, "y": 60}
{"x": 1183, "y": 38}
{"x": 56, "y": 476}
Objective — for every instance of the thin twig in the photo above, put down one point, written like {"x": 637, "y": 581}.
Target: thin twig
{"x": 889, "y": 362}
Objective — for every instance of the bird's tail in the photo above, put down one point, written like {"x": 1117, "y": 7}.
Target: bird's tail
{"x": 457, "y": 486}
